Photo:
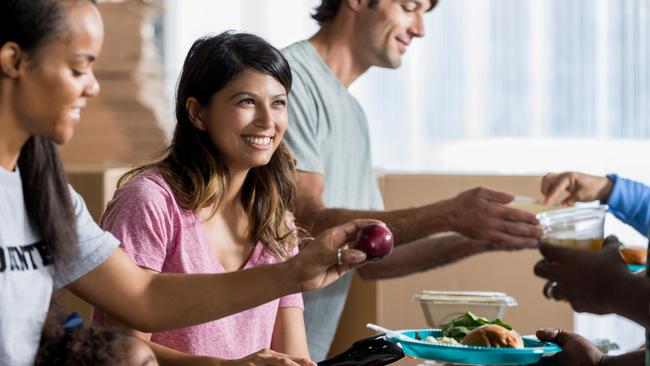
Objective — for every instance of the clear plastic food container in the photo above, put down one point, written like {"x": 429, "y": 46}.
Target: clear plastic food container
{"x": 579, "y": 227}
{"x": 440, "y": 307}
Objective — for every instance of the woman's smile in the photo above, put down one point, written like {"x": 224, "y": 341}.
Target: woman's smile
{"x": 259, "y": 142}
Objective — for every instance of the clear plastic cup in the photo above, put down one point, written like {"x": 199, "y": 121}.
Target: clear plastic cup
{"x": 578, "y": 228}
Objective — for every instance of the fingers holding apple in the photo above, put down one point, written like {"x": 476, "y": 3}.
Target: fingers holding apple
{"x": 375, "y": 240}
{"x": 336, "y": 251}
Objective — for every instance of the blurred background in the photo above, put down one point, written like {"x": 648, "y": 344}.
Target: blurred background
{"x": 495, "y": 88}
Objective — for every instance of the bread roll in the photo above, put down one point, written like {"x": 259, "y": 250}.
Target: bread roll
{"x": 634, "y": 255}
{"x": 491, "y": 335}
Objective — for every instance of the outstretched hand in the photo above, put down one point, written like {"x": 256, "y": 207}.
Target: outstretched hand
{"x": 482, "y": 214}
{"x": 571, "y": 187}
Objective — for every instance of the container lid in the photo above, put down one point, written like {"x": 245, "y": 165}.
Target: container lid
{"x": 571, "y": 215}
{"x": 532, "y": 205}
{"x": 465, "y": 297}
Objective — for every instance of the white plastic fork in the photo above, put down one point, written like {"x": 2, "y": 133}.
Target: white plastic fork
{"x": 392, "y": 333}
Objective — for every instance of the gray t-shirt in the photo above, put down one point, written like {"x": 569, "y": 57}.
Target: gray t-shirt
{"x": 26, "y": 271}
{"x": 328, "y": 133}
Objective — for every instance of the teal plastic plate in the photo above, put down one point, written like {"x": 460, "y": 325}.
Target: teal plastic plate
{"x": 471, "y": 355}
{"x": 636, "y": 267}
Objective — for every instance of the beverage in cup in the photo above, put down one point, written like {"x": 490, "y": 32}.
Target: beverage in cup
{"x": 578, "y": 227}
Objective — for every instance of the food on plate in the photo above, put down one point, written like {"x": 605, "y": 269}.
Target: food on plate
{"x": 374, "y": 240}
{"x": 492, "y": 335}
{"x": 440, "y": 340}
{"x": 472, "y": 330}
{"x": 634, "y": 255}
{"x": 464, "y": 324}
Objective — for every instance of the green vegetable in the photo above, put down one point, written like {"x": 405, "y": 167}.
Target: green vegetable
{"x": 463, "y": 325}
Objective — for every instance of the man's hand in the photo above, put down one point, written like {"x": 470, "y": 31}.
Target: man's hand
{"x": 576, "y": 350}
{"x": 590, "y": 281}
{"x": 317, "y": 264}
{"x": 481, "y": 214}
{"x": 571, "y": 187}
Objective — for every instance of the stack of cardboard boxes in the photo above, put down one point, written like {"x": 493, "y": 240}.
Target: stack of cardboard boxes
{"x": 127, "y": 122}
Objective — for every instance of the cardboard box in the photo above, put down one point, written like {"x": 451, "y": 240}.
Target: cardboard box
{"x": 129, "y": 121}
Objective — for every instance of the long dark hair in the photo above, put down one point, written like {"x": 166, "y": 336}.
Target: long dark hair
{"x": 32, "y": 24}
{"x": 192, "y": 165}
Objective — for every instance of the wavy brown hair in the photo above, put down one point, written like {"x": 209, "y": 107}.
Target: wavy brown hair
{"x": 192, "y": 164}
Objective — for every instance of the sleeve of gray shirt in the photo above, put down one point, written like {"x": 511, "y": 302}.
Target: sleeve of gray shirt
{"x": 302, "y": 136}
{"x": 94, "y": 245}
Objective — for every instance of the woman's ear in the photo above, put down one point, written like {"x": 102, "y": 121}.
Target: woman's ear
{"x": 195, "y": 113}
{"x": 10, "y": 59}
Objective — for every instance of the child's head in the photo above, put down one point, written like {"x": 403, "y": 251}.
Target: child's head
{"x": 95, "y": 347}
{"x": 78, "y": 346}
{"x": 231, "y": 111}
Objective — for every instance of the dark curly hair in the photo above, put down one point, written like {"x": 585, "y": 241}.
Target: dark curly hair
{"x": 60, "y": 346}
{"x": 327, "y": 9}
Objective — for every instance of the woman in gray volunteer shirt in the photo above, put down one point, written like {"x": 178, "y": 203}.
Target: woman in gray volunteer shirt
{"x": 48, "y": 239}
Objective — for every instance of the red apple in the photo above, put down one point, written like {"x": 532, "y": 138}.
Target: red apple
{"x": 374, "y": 240}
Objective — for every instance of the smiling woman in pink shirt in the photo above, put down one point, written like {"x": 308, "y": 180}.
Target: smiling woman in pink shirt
{"x": 219, "y": 200}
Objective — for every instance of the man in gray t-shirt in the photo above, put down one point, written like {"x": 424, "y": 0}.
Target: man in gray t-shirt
{"x": 331, "y": 141}
{"x": 328, "y": 132}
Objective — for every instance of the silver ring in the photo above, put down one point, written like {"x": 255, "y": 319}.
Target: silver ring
{"x": 548, "y": 289}
{"x": 339, "y": 260}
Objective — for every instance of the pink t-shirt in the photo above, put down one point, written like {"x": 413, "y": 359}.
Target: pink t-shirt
{"x": 160, "y": 235}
